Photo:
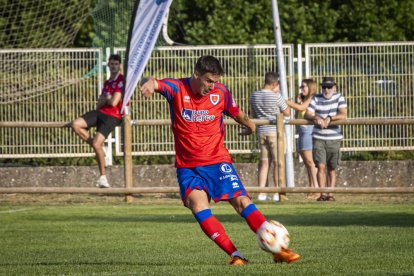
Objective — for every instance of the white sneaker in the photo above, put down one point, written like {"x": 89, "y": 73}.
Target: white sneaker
{"x": 262, "y": 197}
{"x": 276, "y": 197}
{"x": 103, "y": 182}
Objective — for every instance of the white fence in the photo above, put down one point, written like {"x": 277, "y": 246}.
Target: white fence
{"x": 245, "y": 68}
{"x": 40, "y": 85}
{"x": 46, "y": 85}
{"x": 377, "y": 80}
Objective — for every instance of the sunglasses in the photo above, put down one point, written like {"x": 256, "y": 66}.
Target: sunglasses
{"x": 327, "y": 87}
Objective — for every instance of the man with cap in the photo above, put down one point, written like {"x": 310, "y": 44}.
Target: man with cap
{"x": 323, "y": 109}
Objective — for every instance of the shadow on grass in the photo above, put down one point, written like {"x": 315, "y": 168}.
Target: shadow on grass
{"x": 329, "y": 218}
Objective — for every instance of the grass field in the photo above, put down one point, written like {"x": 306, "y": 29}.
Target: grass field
{"x": 160, "y": 237}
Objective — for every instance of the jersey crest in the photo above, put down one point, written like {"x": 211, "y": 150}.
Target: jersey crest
{"x": 214, "y": 99}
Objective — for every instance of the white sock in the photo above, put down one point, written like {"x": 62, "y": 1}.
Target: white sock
{"x": 236, "y": 253}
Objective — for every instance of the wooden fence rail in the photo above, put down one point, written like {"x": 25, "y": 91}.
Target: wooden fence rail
{"x": 166, "y": 190}
{"x": 129, "y": 190}
{"x": 226, "y": 121}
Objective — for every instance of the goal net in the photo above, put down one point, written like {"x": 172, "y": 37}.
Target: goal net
{"x": 33, "y": 24}
{"x": 31, "y": 29}
{"x": 41, "y": 24}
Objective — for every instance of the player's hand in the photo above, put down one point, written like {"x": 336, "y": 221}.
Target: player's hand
{"x": 245, "y": 131}
{"x": 107, "y": 96}
{"x": 326, "y": 122}
{"x": 147, "y": 87}
{"x": 322, "y": 123}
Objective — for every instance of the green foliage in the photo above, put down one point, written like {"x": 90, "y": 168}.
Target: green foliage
{"x": 213, "y": 22}
{"x": 378, "y": 155}
{"x": 86, "y": 34}
{"x": 164, "y": 239}
{"x": 112, "y": 19}
{"x": 40, "y": 24}
{"x": 302, "y": 21}
{"x": 374, "y": 20}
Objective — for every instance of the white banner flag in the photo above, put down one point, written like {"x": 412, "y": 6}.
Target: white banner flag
{"x": 144, "y": 30}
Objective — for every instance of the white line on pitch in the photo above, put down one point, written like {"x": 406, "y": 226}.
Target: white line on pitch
{"x": 16, "y": 210}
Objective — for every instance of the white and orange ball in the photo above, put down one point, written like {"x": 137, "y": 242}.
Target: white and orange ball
{"x": 273, "y": 236}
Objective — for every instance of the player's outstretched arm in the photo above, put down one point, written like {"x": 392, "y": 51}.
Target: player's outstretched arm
{"x": 148, "y": 86}
{"x": 244, "y": 120}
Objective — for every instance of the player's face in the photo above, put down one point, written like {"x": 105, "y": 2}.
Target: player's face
{"x": 328, "y": 91}
{"x": 204, "y": 83}
{"x": 114, "y": 66}
{"x": 305, "y": 89}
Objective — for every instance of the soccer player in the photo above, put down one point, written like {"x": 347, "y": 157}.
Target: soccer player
{"x": 204, "y": 166}
{"x": 105, "y": 117}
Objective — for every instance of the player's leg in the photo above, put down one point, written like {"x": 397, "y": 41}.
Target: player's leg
{"x": 272, "y": 144}
{"x": 97, "y": 145}
{"x": 105, "y": 125}
{"x": 192, "y": 189}
{"x": 248, "y": 210}
{"x": 197, "y": 201}
{"x": 256, "y": 220}
{"x": 333, "y": 158}
{"x": 263, "y": 168}
{"x": 305, "y": 151}
{"x": 311, "y": 171}
{"x": 81, "y": 125}
{"x": 331, "y": 182}
{"x": 319, "y": 157}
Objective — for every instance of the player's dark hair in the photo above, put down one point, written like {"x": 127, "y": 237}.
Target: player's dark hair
{"x": 115, "y": 57}
{"x": 271, "y": 77}
{"x": 208, "y": 64}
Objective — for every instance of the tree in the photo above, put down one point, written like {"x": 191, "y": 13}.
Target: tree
{"x": 374, "y": 20}
{"x": 303, "y": 21}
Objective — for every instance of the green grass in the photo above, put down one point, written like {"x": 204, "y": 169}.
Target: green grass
{"x": 374, "y": 238}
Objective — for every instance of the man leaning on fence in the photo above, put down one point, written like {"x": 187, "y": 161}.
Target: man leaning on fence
{"x": 105, "y": 117}
{"x": 266, "y": 104}
{"x": 323, "y": 109}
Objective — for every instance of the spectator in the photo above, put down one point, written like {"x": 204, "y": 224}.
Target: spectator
{"x": 266, "y": 104}
{"x": 105, "y": 117}
{"x": 307, "y": 90}
{"x": 324, "y": 108}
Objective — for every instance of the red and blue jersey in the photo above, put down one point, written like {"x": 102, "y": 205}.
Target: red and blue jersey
{"x": 197, "y": 122}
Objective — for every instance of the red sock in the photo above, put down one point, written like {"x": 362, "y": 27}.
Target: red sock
{"x": 215, "y": 231}
{"x": 253, "y": 217}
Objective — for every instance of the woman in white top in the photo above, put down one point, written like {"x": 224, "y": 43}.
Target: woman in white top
{"x": 308, "y": 89}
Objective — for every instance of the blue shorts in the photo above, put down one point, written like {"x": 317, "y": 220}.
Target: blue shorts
{"x": 305, "y": 138}
{"x": 219, "y": 181}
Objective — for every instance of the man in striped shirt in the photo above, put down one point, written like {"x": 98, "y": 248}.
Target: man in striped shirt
{"x": 266, "y": 104}
{"x": 323, "y": 109}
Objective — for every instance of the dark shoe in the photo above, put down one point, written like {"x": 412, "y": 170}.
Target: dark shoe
{"x": 330, "y": 198}
{"x": 322, "y": 198}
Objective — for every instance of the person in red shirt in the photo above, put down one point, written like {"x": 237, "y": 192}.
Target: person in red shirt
{"x": 204, "y": 166}
{"x": 105, "y": 117}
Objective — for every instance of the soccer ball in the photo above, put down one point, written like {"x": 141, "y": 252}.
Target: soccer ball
{"x": 273, "y": 236}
